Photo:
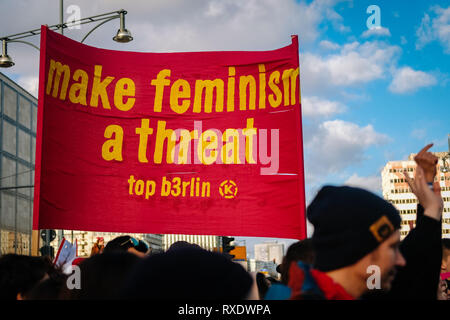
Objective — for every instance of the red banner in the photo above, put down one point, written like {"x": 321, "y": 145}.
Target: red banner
{"x": 189, "y": 143}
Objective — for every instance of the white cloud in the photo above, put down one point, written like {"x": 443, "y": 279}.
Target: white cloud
{"x": 377, "y": 32}
{"x": 29, "y": 83}
{"x": 315, "y": 107}
{"x": 336, "y": 20}
{"x": 419, "y": 134}
{"x": 180, "y": 25}
{"x": 442, "y": 27}
{"x": 407, "y": 80}
{"x": 224, "y": 25}
{"x": 354, "y": 64}
{"x": 403, "y": 40}
{"x": 337, "y": 144}
{"x": 371, "y": 183}
{"x": 424, "y": 33}
{"x": 328, "y": 45}
{"x": 436, "y": 28}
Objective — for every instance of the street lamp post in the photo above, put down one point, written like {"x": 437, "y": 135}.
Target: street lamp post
{"x": 122, "y": 36}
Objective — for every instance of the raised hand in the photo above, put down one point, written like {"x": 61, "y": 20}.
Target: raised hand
{"x": 428, "y": 162}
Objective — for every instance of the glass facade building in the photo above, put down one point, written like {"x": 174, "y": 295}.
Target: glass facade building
{"x": 18, "y": 118}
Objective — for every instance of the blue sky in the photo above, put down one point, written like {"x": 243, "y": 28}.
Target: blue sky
{"x": 368, "y": 96}
{"x": 407, "y": 101}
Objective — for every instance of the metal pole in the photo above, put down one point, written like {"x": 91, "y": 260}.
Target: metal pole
{"x": 100, "y": 24}
{"x": 61, "y": 15}
{"x": 122, "y": 20}
{"x": 4, "y": 52}
{"x": 448, "y": 139}
{"x": 25, "y": 42}
{"x": 61, "y": 21}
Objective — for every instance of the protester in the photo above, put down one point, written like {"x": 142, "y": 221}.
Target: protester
{"x": 19, "y": 274}
{"x": 124, "y": 244}
{"x": 298, "y": 251}
{"x": 102, "y": 276}
{"x": 263, "y": 284}
{"x": 188, "y": 273}
{"x": 444, "y": 281}
{"x": 356, "y": 237}
{"x": 98, "y": 246}
{"x": 354, "y": 229}
{"x": 421, "y": 248}
{"x": 48, "y": 289}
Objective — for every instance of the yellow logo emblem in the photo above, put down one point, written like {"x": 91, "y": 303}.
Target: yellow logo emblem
{"x": 228, "y": 189}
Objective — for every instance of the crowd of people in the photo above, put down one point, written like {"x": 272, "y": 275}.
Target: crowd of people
{"x": 354, "y": 253}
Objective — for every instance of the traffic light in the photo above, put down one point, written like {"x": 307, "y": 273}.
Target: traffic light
{"x": 48, "y": 236}
{"x": 227, "y": 246}
{"x": 50, "y": 233}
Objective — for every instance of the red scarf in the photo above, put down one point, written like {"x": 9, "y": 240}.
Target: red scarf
{"x": 330, "y": 289}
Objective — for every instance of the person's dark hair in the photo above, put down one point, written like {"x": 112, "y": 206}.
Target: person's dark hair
{"x": 103, "y": 275}
{"x": 49, "y": 289}
{"x": 263, "y": 285}
{"x": 183, "y": 244}
{"x": 446, "y": 243}
{"x": 142, "y": 247}
{"x": 188, "y": 273}
{"x": 19, "y": 273}
{"x": 122, "y": 243}
{"x": 298, "y": 251}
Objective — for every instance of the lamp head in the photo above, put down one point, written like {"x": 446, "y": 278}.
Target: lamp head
{"x": 123, "y": 36}
{"x": 6, "y": 61}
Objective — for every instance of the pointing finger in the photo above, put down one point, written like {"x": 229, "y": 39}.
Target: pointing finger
{"x": 425, "y": 149}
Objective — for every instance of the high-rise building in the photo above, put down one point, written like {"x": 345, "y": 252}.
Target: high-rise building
{"x": 269, "y": 251}
{"x": 18, "y": 118}
{"x": 397, "y": 192}
{"x": 269, "y": 268}
{"x": 155, "y": 241}
{"x": 211, "y": 243}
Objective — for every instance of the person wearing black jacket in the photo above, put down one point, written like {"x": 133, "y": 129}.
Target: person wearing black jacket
{"x": 421, "y": 248}
{"x": 419, "y": 279}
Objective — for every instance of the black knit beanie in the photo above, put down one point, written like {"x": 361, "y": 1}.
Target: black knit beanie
{"x": 348, "y": 224}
